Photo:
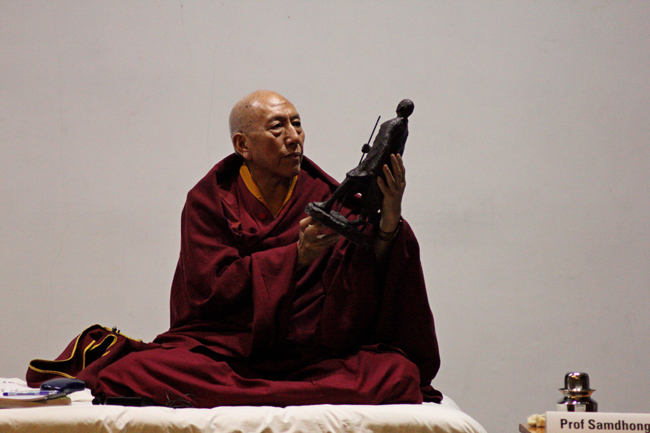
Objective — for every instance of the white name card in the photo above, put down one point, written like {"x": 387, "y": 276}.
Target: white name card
{"x": 597, "y": 422}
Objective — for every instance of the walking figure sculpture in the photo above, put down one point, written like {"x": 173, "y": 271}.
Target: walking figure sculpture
{"x": 362, "y": 180}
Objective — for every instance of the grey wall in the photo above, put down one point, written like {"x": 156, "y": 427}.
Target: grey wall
{"x": 527, "y": 168}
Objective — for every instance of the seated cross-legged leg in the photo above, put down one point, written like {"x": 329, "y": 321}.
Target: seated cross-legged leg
{"x": 177, "y": 376}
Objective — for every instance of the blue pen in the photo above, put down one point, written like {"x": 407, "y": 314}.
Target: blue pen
{"x": 28, "y": 393}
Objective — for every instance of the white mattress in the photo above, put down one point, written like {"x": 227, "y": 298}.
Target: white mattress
{"x": 82, "y": 416}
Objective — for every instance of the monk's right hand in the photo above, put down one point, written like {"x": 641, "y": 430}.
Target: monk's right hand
{"x": 314, "y": 238}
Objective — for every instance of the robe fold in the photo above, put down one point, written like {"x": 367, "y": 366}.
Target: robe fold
{"x": 248, "y": 328}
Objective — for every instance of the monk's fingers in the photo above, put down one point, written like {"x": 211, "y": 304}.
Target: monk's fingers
{"x": 398, "y": 170}
{"x": 385, "y": 189}
{"x": 328, "y": 239}
{"x": 390, "y": 179}
{"x": 317, "y": 235}
{"x": 305, "y": 222}
{"x": 399, "y": 160}
{"x": 388, "y": 187}
{"x": 396, "y": 174}
{"x": 394, "y": 183}
{"x": 315, "y": 227}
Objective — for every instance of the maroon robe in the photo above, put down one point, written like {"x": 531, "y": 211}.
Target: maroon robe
{"x": 247, "y": 328}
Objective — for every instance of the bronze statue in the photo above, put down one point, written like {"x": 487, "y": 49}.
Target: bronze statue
{"x": 362, "y": 180}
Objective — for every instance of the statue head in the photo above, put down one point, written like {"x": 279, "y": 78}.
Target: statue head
{"x": 405, "y": 108}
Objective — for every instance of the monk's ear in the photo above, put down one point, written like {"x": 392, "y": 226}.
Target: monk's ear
{"x": 241, "y": 144}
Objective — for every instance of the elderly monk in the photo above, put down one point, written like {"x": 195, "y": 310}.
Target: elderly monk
{"x": 268, "y": 307}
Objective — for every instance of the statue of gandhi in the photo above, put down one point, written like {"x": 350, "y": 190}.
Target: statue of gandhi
{"x": 362, "y": 180}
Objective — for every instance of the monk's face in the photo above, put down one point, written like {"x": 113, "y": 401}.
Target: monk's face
{"x": 275, "y": 138}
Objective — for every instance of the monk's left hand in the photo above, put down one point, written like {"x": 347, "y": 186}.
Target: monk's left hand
{"x": 313, "y": 239}
{"x": 393, "y": 190}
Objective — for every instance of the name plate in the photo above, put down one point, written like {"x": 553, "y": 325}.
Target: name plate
{"x": 597, "y": 422}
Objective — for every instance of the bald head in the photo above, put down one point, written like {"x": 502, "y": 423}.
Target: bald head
{"x": 248, "y": 111}
{"x": 267, "y": 133}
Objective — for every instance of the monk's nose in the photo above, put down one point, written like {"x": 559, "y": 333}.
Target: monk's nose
{"x": 293, "y": 135}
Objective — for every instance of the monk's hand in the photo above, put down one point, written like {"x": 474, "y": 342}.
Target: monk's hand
{"x": 393, "y": 190}
{"x": 314, "y": 238}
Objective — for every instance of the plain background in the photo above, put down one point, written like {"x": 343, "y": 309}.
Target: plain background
{"x": 527, "y": 168}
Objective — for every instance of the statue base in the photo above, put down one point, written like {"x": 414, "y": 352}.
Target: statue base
{"x": 338, "y": 223}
